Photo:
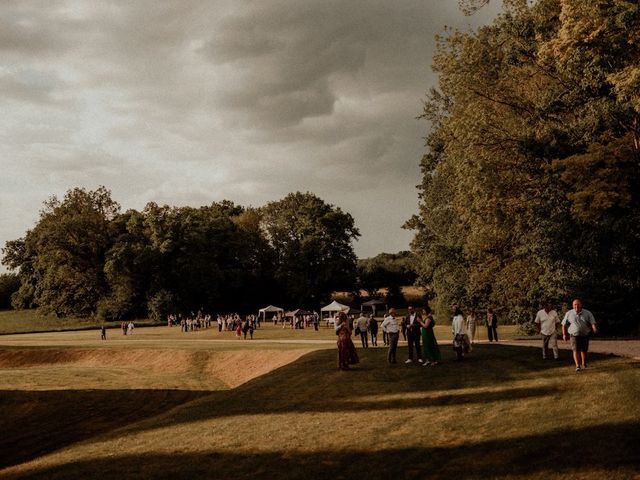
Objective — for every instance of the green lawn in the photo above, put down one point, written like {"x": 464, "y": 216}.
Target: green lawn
{"x": 158, "y": 405}
{"x": 28, "y": 321}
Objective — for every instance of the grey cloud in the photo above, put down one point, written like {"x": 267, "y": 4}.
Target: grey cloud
{"x": 30, "y": 86}
{"x": 321, "y": 50}
{"x": 192, "y": 101}
{"x": 26, "y": 31}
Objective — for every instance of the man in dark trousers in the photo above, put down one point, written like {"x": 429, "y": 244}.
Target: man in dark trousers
{"x": 413, "y": 334}
{"x": 492, "y": 325}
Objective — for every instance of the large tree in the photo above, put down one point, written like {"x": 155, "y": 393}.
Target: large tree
{"x": 530, "y": 185}
{"x": 182, "y": 259}
{"x": 61, "y": 259}
{"x": 312, "y": 243}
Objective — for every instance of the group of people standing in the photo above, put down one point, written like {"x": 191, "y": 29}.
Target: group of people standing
{"x": 577, "y": 325}
{"x": 239, "y": 326}
{"x": 417, "y": 328}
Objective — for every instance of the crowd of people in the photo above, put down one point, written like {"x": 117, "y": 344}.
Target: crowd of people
{"x": 417, "y": 329}
{"x": 232, "y": 322}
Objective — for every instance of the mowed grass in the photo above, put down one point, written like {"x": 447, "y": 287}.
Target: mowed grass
{"x": 27, "y": 321}
{"x": 158, "y": 405}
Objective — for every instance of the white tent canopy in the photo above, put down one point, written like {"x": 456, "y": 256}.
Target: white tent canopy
{"x": 334, "y": 307}
{"x": 270, "y": 309}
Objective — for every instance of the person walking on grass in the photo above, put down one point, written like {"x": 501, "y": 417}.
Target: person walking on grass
{"x": 472, "y": 321}
{"x": 431, "y": 351}
{"x": 547, "y": 321}
{"x": 578, "y": 324}
{"x": 403, "y": 328}
{"x": 103, "y": 333}
{"x": 246, "y": 327}
{"x": 373, "y": 328}
{"x": 347, "y": 354}
{"x": 460, "y": 339}
{"x": 492, "y": 325}
{"x": 413, "y": 321}
{"x": 391, "y": 328}
{"x": 362, "y": 328}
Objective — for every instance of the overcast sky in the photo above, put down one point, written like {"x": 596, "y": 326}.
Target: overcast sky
{"x": 189, "y": 102}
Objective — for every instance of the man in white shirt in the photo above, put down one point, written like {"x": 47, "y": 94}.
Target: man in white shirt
{"x": 392, "y": 329}
{"x": 547, "y": 320}
{"x": 578, "y": 324}
{"x": 362, "y": 323}
{"x": 461, "y": 343}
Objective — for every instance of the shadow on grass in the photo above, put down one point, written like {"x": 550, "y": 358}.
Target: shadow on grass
{"x": 579, "y": 452}
{"x": 50, "y": 420}
{"x": 33, "y": 423}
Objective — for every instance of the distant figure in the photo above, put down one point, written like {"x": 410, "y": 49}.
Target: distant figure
{"x": 460, "y": 338}
{"x": 362, "y": 324}
{"x": 548, "y": 321}
{"x": 347, "y": 354}
{"x": 403, "y": 328}
{"x": 385, "y": 337}
{"x": 130, "y": 327}
{"x": 412, "y": 322}
{"x": 247, "y": 328}
{"x": 471, "y": 325}
{"x": 579, "y": 324}
{"x": 492, "y": 325}
{"x": 373, "y": 328}
{"x": 103, "y": 333}
{"x": 429, "y": 343}
{"x": 392, "y": 329}
{"x": 123, "y": 326}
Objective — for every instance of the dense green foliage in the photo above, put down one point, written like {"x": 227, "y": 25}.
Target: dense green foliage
{"x": 84, "y": 257}
{"x": 386, "y": 270}
{"x": 9, "y": 284}
{"x": 312, "y": 245}
{"x": 531, "y": 179}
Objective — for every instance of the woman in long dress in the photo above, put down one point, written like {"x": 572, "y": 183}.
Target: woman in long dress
{"x": 471, "y": 326}
{"x": 429, "y": 343}
{"x": 347, "y": 354}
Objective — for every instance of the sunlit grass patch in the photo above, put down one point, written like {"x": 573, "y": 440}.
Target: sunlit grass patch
{"x": 501, "y": 413}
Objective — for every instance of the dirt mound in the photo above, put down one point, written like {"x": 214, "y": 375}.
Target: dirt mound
{"x": 170, "y": 361}
{"x": 237, "y": 367}
{"x": 232, "y": 367}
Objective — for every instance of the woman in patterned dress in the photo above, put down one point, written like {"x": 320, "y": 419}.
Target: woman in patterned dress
{"x": 347, "y": 354}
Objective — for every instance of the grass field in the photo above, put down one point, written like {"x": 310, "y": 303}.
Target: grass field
{"x": 165, "y": 404}
{"x": 28, "y": 321}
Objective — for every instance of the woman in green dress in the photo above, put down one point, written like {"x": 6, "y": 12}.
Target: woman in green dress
{"x": 431, "y": 352}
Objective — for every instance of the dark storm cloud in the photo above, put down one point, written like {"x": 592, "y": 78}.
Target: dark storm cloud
{"x": 294, "y": 60}
{"x": 191, "y": 101}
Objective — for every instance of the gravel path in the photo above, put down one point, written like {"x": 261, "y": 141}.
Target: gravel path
{"x": 624, "y": 348}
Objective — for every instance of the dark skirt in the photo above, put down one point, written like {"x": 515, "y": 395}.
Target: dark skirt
{"x": 347, "y": 354}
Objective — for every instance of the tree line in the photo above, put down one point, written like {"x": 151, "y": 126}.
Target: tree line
{"x": 85, "y": 257}
{"x": 531, "y": 174}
